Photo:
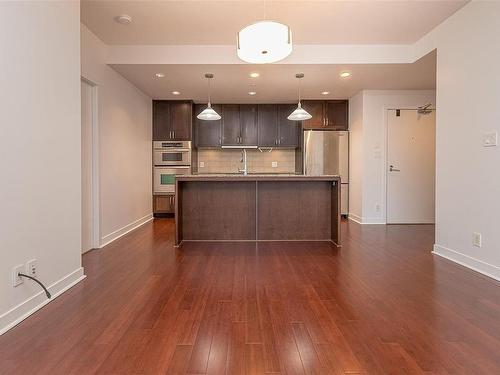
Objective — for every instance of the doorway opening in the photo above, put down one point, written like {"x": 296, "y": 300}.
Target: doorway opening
{"x": 90, "y": 225}
{"x": 411, "y": 166}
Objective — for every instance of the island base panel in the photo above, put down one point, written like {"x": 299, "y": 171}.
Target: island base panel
{"x": 294, "y": 210}
{"x": 218, "y": 210}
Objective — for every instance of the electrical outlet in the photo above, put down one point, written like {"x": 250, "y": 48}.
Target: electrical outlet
{"x": 490, "y": 139}
{"x": 377, "y": 207}
{"x": 202, "y": 164}
{"x": 476, "y": 239}
{"x": 16, "y": 280}
{"x": 31, "y": 268}
{"x": 274, "y": 164}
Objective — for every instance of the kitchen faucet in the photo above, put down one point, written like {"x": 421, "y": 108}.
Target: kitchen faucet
{"x": 244, "y": 161}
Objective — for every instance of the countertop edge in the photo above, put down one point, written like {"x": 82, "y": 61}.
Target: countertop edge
{"x": 256, "y": 178}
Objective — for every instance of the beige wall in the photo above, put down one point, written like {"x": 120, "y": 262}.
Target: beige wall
{"x": 229, "y": 161}
{"x": 356, "y": 156}
{"x": 125, "y": 135}
{"x": 40, "y": 151}
{"x": 468, "y": 97}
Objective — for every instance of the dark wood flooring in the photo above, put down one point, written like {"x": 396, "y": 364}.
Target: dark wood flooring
{"x": 380, "y": 305}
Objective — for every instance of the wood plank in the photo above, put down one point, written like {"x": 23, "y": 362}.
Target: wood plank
{"x": 382, "y": 304}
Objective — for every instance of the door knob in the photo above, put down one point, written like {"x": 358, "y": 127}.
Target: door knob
{"x": 392, "y": 169}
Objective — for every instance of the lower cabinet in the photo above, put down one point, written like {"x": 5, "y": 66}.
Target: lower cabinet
{"x": 163, "y": 204}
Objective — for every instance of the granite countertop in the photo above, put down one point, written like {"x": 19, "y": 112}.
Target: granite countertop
{"x": 255, "y": 177}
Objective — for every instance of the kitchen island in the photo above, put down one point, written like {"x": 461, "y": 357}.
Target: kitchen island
{"x": 257, "y": 208}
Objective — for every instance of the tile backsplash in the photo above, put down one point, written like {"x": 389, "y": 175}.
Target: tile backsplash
{"x": 229, "y": 161}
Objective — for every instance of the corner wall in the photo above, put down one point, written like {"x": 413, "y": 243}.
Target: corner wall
{"x": 125, "y": 136}
{"x": 40, "y": 152}
{"x": 468, "y": 97}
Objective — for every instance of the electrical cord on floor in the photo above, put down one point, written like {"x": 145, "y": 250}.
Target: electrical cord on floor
{"x": 36, "y": 281}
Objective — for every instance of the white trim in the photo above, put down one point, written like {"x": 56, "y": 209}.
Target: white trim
{"x": 464, "y": 260}
{"x": 106, "y": 240}
{"x": 96, "y": 197}
{"x": 355, "y": 218}
{"x": 365, "y": 220}
{"x": 20, "y": 312}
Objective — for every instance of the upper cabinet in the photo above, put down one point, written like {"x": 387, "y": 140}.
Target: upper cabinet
{"x": 316, "y": 109}
{"x": 267, "y": 125}
{"x": 172, "y": 120}
{"x": 239, "y": 125}
{"x": 275, "y": 130}
{"x": 327, "y": 114}
{"x": 248, "y": 124}
{"x": 288, "y": 131}
{"x": 207, "y": 133}
{"x": 337, "y": 114}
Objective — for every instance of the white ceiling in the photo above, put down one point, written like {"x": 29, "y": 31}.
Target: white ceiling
{"x": 312, "y": 22}
{"x": 277, "y": 82}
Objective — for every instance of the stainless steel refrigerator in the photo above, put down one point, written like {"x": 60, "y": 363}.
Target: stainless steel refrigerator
{"x": 327, "y": 153}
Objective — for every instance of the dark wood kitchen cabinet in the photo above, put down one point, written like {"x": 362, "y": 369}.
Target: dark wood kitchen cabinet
{"x": 288, "y": 131}
{"x": 163, "y": 204}
{"x": 267, "y": 120}
{"x": 248, "y": 124}
{"x": 337, "y": 114}
{"x": 275, "y": 130}
{"x": 207, "y": 133}
{"x": 239, "y": 125}
{"x": 172, "y": 120}
{"x": 316, "y": 109}
{"x": 327, "y": 114}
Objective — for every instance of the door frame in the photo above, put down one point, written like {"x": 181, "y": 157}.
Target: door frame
{"x": 96, "y": 197}
{"x": 386, "y": 150}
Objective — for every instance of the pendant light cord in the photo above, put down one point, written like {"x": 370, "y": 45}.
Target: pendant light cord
{"x": 209, "y": 102}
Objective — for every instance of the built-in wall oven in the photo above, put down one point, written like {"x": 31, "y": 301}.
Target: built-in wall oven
{"x": 164, "y": 178}
{"x": 170, "y": 158}
{"x": 171, "y": 153}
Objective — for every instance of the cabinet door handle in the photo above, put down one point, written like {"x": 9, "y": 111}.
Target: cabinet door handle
{"x": 173, "y": 133}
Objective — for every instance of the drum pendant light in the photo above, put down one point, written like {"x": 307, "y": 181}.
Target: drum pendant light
{"x": 208, "y": 114}
{"x": 264, "y": 42}
{"x": 300, "y": 113}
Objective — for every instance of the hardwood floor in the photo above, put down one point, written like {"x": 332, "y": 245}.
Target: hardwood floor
{"x": 382, "y": 304}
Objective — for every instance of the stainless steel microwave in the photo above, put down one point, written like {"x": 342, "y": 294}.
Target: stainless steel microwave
{"x": 171, "y": 153}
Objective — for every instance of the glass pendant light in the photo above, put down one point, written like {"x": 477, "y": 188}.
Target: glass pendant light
{"x": 208, "y": 114}
{"x": 300, "y": 114}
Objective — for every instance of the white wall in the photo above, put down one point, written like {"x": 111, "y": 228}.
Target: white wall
{"x": 356, "y": 157}
{"x": 368, "y": 147}
{"x": 468, "y": 97}
{"x": 125, "y": 135}
{"x": 39, "y": 151}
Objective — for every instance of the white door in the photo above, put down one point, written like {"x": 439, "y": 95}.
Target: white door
{"x": 87, "y": 201}
{"x": 411, "y": 155}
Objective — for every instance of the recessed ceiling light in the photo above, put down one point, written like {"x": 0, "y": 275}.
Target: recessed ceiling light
{"x": 254, "y": 75}
{"x": 176, "y": 93}
{"x": 252, "y": 93}
{"x": 325, "y": 92}
{"x": 345, "y": 74}
{"x": 160, "y": 75}
{"x": 123, "y": 19}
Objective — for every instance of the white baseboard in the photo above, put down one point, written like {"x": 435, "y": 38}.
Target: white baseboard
{"x": 364, "y": 220}
{"x": 107, "y": 239}
{"x": 464, "y": 260}
{"x": 20, "y": 312}
{"x": 355, "y": 218}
